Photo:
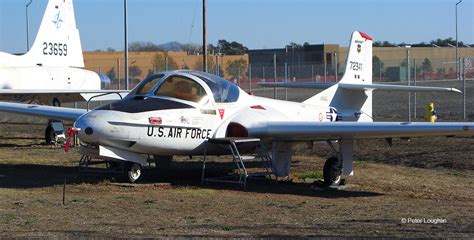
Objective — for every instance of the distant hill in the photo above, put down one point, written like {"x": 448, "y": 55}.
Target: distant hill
{"x": 172, "y": 46}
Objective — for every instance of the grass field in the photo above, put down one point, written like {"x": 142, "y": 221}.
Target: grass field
{"x": 425, "y": 179}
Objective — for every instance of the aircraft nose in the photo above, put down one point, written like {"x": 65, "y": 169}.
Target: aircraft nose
{"x": 86, "y": 126}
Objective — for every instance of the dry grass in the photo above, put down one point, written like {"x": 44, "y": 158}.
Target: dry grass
{"x": 382, "y": 192}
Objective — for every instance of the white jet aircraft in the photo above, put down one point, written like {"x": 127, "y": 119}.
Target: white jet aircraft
{"x": 52, "y": 71}
{"x": 176, "y": 112}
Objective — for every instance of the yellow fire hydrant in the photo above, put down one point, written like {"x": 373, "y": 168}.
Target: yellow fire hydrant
{"x": 430, "y": 113}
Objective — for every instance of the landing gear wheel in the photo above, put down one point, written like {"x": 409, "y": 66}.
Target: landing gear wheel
{"x": 49, "y": 135}
{"x": 332, "y": 172}
{"x": 134, "y": 171}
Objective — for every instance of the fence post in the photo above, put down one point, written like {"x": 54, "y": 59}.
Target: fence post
{"x": 408, "y": 81}
{"x": 414, "y": 81}
{"x": 463, "y": 68}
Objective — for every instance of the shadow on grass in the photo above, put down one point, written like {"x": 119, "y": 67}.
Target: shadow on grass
{"x": 181, "y": 174}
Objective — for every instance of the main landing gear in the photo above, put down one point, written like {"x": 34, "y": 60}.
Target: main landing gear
{"x": 332, "y": 171}
{"x": 336, "y": 167}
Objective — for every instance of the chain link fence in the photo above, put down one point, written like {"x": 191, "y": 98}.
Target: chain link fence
{"x": 388, "y": 106}
{"x": 422, "y": 67}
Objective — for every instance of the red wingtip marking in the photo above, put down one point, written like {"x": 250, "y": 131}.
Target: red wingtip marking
{"x": 365, "y": 36}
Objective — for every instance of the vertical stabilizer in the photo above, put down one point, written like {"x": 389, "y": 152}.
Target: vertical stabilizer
{"x": 359, "y": 60}
{"x": 58, "y": 42}
{"x": 352, "y": 104}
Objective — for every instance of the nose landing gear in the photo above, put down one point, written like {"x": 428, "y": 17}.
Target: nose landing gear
{"x": 133, "y": 171}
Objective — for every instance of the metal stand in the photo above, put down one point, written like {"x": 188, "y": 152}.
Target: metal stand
{"x": 240, "y": 172}
{"x": 90, "y": 157}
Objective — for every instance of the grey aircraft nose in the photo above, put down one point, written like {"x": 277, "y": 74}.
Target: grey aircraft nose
{"x": 86, "y": 129}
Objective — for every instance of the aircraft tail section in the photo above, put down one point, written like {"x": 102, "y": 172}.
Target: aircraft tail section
{"x": 58, "y": 42}
{"x": 352, "y": 104}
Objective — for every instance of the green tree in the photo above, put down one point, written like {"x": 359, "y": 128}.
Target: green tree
{"x": 237, "y": 68}
{"x": 161, "y": 63}
{"x": 231, "y": 48}
{"x": 293, "y": 45}
{"x": 426, "y": 65}
{"x": 383, "y": 44}
{"x": 144, "y": 47}
{"x": 447, "y": 41}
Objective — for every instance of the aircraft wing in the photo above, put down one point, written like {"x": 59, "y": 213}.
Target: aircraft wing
{"x": 43, "y": 111}
{"x": 62, "y": 94}
{"x": 291, "y": 131}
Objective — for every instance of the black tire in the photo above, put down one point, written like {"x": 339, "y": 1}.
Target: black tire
{"x": 49, "y": 135}
{"x": 132, "y": 172}
{"x": 332, "y": 171}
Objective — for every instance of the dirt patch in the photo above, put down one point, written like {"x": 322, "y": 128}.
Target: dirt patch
{"x": 428, "y": 180}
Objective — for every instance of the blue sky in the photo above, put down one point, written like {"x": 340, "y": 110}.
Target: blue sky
{"x": 255, "y": 23}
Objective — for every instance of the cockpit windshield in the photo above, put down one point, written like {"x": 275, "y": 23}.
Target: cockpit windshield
{"x": 223, "y": 90}
{"x": 146, "y": 85}
{"x": 182, "y": 88}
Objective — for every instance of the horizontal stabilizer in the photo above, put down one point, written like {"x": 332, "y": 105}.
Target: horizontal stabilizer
{"x": 403, "y": 88}
{"x": 317, "y": 85}
{"x": 352, "y": 86}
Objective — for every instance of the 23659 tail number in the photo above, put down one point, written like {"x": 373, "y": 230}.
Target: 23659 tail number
{"x": 56, "y": 49}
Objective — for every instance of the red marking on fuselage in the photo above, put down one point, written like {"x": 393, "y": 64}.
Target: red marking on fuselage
{"x": 221, "y": 112}
{"x": 155, "y": 120}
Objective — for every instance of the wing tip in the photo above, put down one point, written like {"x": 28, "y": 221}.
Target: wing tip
{"x": 456, "y": 90}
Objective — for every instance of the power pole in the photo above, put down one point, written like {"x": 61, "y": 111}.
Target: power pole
{"x": 457, "y": 59}
{"x": 204, "y": 47}
{"x": 126, "y": 45}
{"x": 27, "y": 28}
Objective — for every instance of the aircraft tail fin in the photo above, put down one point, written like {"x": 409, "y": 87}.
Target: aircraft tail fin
{"x": 355, "y": 104}
{"x": 58, "y": 42}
